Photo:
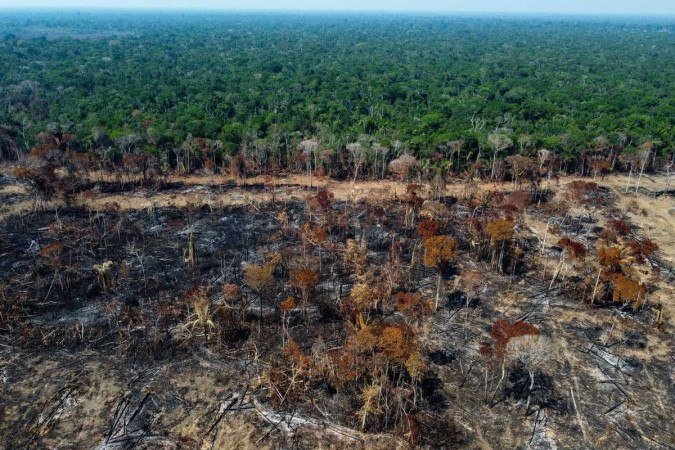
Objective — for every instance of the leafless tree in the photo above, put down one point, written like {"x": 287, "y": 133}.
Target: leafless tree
{"x": 533, "y": 351}
{"x": 359, "y": 155}
{"x": 499, "y": 141}
{"x": 309, "y": 148}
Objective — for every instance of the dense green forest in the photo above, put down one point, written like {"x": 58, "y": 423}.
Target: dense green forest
{"x": 459, "y": 88}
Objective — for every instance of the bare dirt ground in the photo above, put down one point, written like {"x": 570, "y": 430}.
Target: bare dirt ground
{"x": 93, "y": 369}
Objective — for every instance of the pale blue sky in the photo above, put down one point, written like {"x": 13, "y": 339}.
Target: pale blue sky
{"x": 513, "y": 6}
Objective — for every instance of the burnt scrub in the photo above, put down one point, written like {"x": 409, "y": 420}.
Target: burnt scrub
{"x": 386, "y": 321}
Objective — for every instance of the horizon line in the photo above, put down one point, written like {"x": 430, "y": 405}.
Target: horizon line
{"x": 331, "y": 10}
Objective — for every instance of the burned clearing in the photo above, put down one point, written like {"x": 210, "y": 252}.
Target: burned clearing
{"x": 282, "y": 230}
{"x": 473, "y": 317}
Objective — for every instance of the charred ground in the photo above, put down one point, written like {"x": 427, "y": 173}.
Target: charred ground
{"x": 476, "y": 317}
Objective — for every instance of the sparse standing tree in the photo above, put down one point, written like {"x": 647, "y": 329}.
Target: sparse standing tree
{"x": 499, "y": 141}
{"x": 532, "y": 351}
{"x": 309, "y": 151}
{"x": 644, "y": 156}
{"x": 500, "y": 232}
{"x": 260, "y": 278}
{"x": 438, "y": 252}
{"x": 359, "y": 155}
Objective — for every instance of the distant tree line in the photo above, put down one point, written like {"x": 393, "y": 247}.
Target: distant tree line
{"x": 348, "y": 96}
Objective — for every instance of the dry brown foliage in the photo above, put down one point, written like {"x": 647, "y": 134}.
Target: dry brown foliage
{"x": 362, "y": 296}
{"x": 355, "y": 257}
{"x": 573, "y": 248}
{"x": 500, "y": 230}
{"x": 394, "y": 342}
{"x": 230, "y": 292}
{"x": 581, "y": 192}
{"x": 502, "y": 332}
{"x": 520, "y": 199}
{"x": 412, "y": 305}
{"x": 627, "y": 290}
{"x": 304, "y": 279}
{"x": 439, "y": 251}
{"x": 288, "y": 304}
{"x": 428, "y": 228}
{"x": 259, "y": 277}
{"x": 642, "y": 249}
{"x": 611, "y": 257}
{"x": 315, "y": 235}
{"x": 403, "y": 166}
{"x": 434, "y": 210}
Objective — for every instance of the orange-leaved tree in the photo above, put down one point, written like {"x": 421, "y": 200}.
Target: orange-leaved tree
{"x": 627, "y": 290}
{"x": 438, "y": 252}
{"x": 502, "y": 332}
{"x": 617, "y": 267}
{"x": 501, "y": 232}
{"x": 574, "y": 249}
{"x": 304, "y": 280}
{"x": 428, "y": 228}
{"x": 412, "y": 305}
{"x": 260, "y": 278}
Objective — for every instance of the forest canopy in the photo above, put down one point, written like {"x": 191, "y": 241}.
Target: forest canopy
{"x": 420, "y": 82}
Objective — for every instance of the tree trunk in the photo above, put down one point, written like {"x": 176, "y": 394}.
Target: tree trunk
{"x": 557, "y": 270}
{"x": 597, "y": 280}
{"x": 501, "y": 379}
{"x": 438, "y": 289}
{"x": 543, "y": 243}
{"x": 494, "y": 161}
{"x": 309, "y": 174}
{"x": 261, "y": 314}
{"x": 642, "y": 170}
{"x": 630, "y": 174}
{"x": 529, "y": 393}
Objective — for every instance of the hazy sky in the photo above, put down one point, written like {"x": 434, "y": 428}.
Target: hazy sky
{"x": 516, "y": 6}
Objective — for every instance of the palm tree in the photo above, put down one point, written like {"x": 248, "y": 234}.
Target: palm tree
{"x": 202, "y": 317}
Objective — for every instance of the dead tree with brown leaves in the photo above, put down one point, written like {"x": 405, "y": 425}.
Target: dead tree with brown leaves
{"x": 439, "y": 251}
{"x": 501, "y": 232}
